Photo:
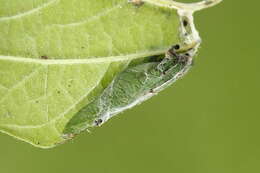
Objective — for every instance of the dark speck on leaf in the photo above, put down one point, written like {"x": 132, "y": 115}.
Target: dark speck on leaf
{"x": 137, "y": 3}
{"x": 44, "y": 57}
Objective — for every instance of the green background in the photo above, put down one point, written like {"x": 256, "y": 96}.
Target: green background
{"x": 208, "y": 122}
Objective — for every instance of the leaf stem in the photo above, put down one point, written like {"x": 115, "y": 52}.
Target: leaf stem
{"x": 196, "y": 6}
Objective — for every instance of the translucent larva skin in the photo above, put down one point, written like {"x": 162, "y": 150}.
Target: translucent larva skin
{"x": 130, "y": 87}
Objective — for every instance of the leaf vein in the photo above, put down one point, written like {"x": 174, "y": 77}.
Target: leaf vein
{"x": 27, "y": 77}
{"x": 27, "y": 13}
{"x": 92, "y": 18}
{"x": 54, "y": 120}
{"x": 87, "y": 60}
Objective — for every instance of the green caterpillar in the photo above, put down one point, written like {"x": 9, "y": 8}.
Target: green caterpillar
{"x": 138, "y": 83}
{"x": 131, "y": 87}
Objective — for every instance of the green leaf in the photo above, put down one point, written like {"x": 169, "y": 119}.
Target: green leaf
{"x": 56, "y": 56}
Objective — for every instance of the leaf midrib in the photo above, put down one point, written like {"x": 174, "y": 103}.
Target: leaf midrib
{"x": 84, "y": 61}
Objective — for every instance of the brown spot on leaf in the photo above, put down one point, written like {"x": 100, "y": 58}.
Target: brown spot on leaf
{"x": 44, "y": 57}
{"x": 136, "y": 2}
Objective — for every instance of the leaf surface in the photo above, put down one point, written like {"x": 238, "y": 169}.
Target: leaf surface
{"x": 57, "y": 55}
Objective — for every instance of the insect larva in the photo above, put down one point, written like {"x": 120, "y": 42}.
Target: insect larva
{"x": 138, "y": 83}
{"x": 131, "y": 87}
